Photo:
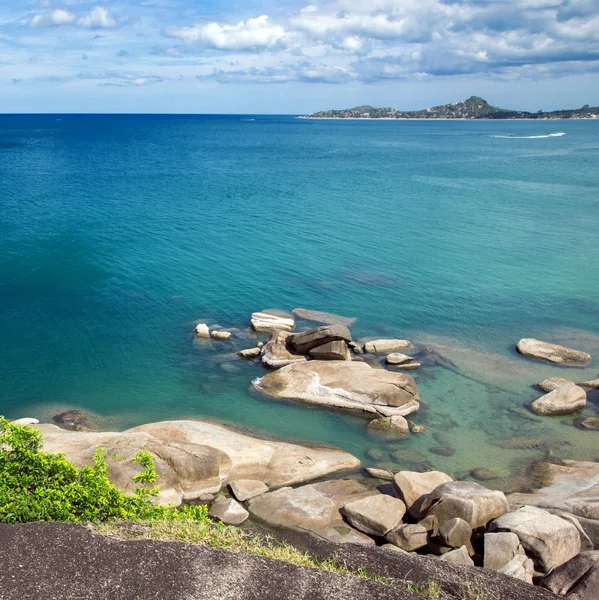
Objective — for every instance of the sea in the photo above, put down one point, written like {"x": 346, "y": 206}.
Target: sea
{"x": 119, "y": 233}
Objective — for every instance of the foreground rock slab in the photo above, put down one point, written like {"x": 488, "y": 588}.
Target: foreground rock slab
{"x": 354, "y": 386}
{"x": 314, "y": 508}
{"x": 552, "y": 352}
{"x": 193, "y": 458}
{"x": 563, "y": 400}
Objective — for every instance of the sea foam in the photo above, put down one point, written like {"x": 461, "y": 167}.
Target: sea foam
{"x": 529, "y": 137}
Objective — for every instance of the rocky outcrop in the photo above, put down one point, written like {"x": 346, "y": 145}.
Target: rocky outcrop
{"x": 353, "y": 386}
{"x": 277, "y": 352}
{"x": 549, "y": 540}
{"x": 314, "y": 508}
{"x": 264, "y": 321}
{"x": 337, "y": 350}
{"x": 563, "y": 400}
{"x": 305, "y": 341}
{"x": 385, "y": 346}
{"x": 552, "y": 352}
{"x": 323, "y": 317}
{"x": 193, "y": 458}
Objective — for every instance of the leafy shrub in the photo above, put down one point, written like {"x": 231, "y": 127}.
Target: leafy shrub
{"x": 39, "y": 486}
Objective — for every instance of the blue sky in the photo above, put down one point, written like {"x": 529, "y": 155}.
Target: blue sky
{"x": 254, "y": 56}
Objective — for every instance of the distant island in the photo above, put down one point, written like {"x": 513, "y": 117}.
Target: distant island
{"x": 472, "y": 108}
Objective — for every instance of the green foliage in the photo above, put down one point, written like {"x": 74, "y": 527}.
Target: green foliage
{"x": 39, "y": 486}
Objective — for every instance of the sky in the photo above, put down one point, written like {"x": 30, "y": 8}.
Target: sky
{"x": 293, "y": 57}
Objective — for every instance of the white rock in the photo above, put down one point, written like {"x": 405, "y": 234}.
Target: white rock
{"x": 563, "y": 400}
{"x": 397, "y": 358}
{"x": 202, "y": 330}
{"x": 384, "y": 346}
{"x": 26, "y": 421}
{"x": 262, "y": 321}
{"x": 220, "y": 335}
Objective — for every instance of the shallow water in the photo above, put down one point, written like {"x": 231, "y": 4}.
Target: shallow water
{"x": 119, "y": 233}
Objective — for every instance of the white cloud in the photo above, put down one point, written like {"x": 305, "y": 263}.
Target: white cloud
{"x": 53, "y": 18}
{"x": 253, "y": 34}
{"x": 98, "y": 18}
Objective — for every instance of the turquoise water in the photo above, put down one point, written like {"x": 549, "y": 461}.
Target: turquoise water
{"x": 119, "y": 233}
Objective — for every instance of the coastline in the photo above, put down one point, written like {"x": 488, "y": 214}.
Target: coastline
{"x": 437, "y": 119}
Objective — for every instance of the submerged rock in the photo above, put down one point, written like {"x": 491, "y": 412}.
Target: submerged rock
{"x": 410, "y": 366}
{"x": 384, "y": 346}
{"x": 589, "y": 423}
{"x": 563, "y": 400}
{"x": 74, "y": 420}
{"x": 323, "y": 317}
{"x": 277, "y": 352}
{"x": 264, "y": 321}
{"x": 347, "y": 385}
{"x": 305, "y": 341}
{"x": 337, "y": 350}
{"x": 395, "y": 427}
{"x": 552, "y": 352}
{"x": 483, "y": 474}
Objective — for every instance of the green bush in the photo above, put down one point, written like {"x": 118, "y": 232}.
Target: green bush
{"x": 39, "y": 486}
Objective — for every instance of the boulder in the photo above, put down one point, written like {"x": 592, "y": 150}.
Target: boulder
{"x": 337, "y": 350}
{"x": 245, "y": 489}
{"x": 412, "y": 486}
{"x": 393, "y": 427}
{"x": 563, "y": 400}
{"x": 277, "y": 352}
{"x": 455, "y": 533}
{"x": 314, "y": 508}
{"x": 306, "y": 340}
{"x": 397, "y": 358}
{"x": 500, "y": 548}
{"x": 25, "y": 421}
{"x": 220, "y": 335}
{"x": 193, "y": 458}
{"x": 410, "y": 366}
{"x": 374, "y": 515}
{"x": 483, "y": 474}
{"x": 431, "y": 524}
{"x": 74, "y": 420}
{"x": 385, "y": 346}
{"x": 519, "y": 567}
{"x": 459, "y": 556}
{"x": 250, "y": 353}
{"x": 552, "y": 352}
{"x": 323, "y": 317}
{"x": 408, "y": 537}
{"x": 263, "y": 321}
{"x": 548, "y": 385}
{"x": 202, "y": 330}
{"x": 353, "y": 386}
{"x": 379, "y": 473}
{"x": 229, "y": 511}
{"x": 574, "y": 576}
{"x": 470, "y": 501}
{"x": 549, "y": 540}
{"x": 356, "y": 348}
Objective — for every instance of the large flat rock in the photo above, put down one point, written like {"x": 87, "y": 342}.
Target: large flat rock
{"x": 194, "y": 457}
{"x": 354, "y": 386}
{"x": 552, "y": 353}
{"x": 314, "y": 508}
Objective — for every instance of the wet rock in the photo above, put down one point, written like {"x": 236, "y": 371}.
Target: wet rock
{"x": 589, "y": 385}
{"x": 415, "y": 428}
{"x": 470, "y": 501}
{"x": 442, "y": 450}
{"x": 375, "y": 454}
{"x": 500, "y": 548}
{"x": 384, "y": 346}
{"x": 314, "y": 508}
{"x": 337, "y": 350}
{"x": 229, "y": 511}
{"x": 548, "y": 385}
{"x": 519, "y": 567}
{"x": 590, "y": 423}
{"x": 74, "y": 420}
{"x": 459, "y": 556}
{"x": 245, "y": 489}
{"x": 249, "y": 353}
{"x": 323, "y": 317}
{"x": 549, "y": 540}
{"x": 455, "y": 533}
{"x": 277, "y": 352}
{"x": 397, "y": 359}
{"x": 356, "y": 348}
{"x": 374, "y": 515}
{"x": 220, "y": 335}
{"x": 392, "y": 427}
{"x": 305, "y": 341}
{"x": 483, "y": 474}
{"x": 563, "y": 400}
{"x": 202, "y": 330}
{"x": 405, "y": 456}
{"x": 408, "y": 537}
{"x": 578, "y": 577}
{"x": 379, "y": 473}
{"x": 410, "y": 366}
{"x": 552, "y": 352}
{"x": 264, "y": 321}
{"x": 411, "y": 486}
{"x": 353, "y": 386}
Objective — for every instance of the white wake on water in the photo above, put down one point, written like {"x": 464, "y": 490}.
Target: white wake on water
{"x": 529, "y": 137}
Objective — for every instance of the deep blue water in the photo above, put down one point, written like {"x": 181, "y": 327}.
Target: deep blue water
{"x": 119, "y": 233}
